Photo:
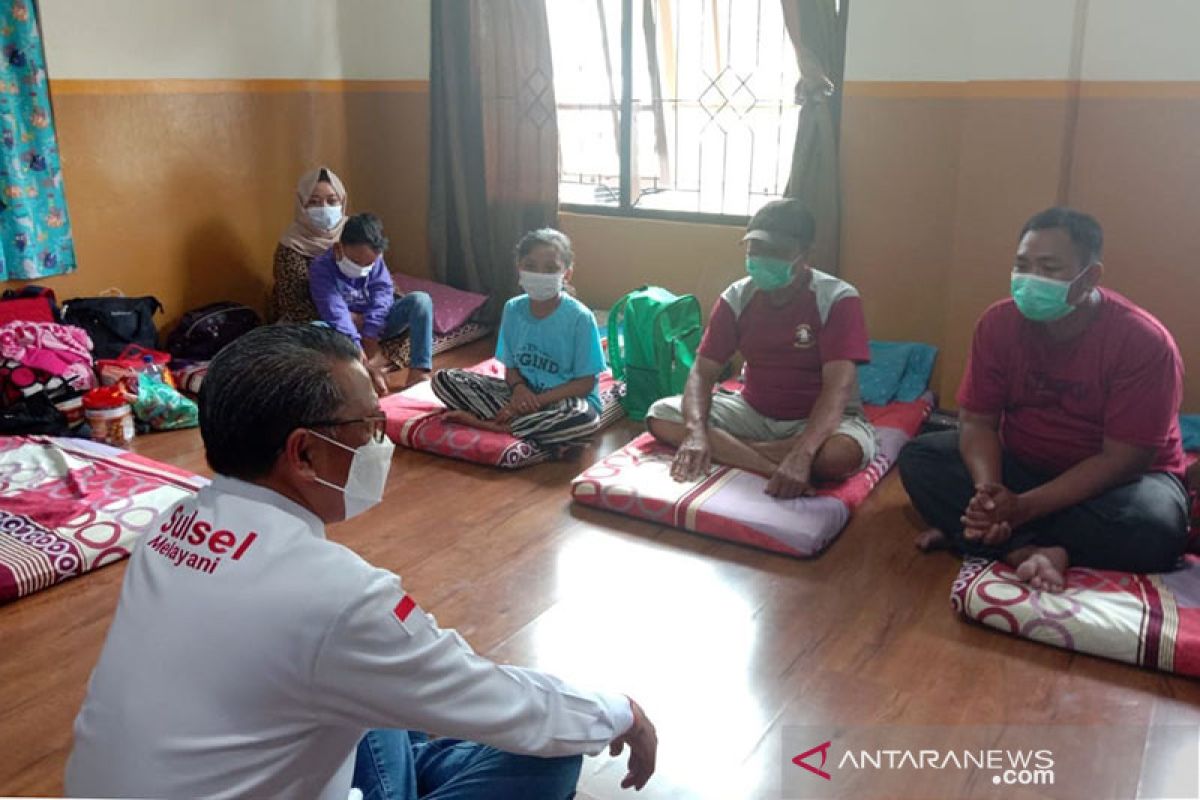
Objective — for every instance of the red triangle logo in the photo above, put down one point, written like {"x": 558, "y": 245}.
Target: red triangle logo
{"x": 823, "y": 749}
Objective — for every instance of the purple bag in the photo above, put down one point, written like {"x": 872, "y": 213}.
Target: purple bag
{"x": 204, "y": 331}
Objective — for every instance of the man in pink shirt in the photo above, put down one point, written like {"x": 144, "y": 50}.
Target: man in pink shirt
{"x": 1069, "y": 451}
{"x": 799, "y": 419}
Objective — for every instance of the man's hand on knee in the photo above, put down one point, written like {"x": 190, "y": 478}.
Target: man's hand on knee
{"x": 693, "y": 458}
{"x": 793, "y": 478}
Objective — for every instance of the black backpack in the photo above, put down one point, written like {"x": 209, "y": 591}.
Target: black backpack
{"x": 204, "y": 331}
{"x": 114, "y": 323}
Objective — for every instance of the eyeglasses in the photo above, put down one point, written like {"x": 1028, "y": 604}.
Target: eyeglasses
{"x": 375, "y": 425}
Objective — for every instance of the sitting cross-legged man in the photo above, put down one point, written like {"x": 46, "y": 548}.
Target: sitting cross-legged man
{"x": 799, "y": 419}
{"x": 1069, "y": 447}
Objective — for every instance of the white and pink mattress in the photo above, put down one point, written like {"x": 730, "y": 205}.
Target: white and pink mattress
{"x": 69, "y": 506}
{"x": 415, "y": 420}
{"x": 1147, "y": 620}
{"x": 730, "y": 503}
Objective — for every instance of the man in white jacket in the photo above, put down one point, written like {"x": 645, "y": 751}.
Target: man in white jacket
{"x": 251, "y": 657}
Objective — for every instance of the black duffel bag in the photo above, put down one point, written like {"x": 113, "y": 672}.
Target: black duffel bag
{"x": 114, "y": 323}
{"x": 202, "y": 332}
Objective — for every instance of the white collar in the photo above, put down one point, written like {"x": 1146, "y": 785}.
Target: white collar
{"x": 258, "y": 493}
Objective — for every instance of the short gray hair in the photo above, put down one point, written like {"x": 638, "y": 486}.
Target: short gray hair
{"x": 264, "y": 385}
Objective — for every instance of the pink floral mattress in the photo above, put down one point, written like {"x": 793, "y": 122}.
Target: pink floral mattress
{"x": 415, "y": 421}
{"x": 69, "y": 506}
{"x": 1148, "y": 620}
{"x": 730, "y": 503}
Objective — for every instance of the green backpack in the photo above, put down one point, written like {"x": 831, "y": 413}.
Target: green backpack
{"x": 652, "y": 341}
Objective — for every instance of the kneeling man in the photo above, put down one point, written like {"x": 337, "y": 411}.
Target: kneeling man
{"x": 1069, "y": 447}
{"x": 801, "y": 331}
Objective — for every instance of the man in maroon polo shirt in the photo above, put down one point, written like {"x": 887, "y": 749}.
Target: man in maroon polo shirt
{"x": 802, "y": 333}
{"x": 1069, "y": 450}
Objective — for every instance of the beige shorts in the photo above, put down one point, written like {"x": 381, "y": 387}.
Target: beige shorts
{"x": 732, "y": 414}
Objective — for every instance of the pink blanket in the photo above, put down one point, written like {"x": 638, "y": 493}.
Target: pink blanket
{"x": 730, "y": 503}
{"x": 62, "y": 351}
{"x": 69, "y": 506}
{"x": 415, "y": 421}
{"x": 1148, "y": 620}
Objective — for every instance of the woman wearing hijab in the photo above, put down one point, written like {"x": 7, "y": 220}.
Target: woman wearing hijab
{"x": 320, "y": 214}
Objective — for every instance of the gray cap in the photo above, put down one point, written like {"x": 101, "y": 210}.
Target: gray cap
{"x": 782, "y": 223}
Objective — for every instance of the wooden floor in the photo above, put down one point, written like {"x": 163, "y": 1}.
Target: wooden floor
{"x": 722, "y": 644}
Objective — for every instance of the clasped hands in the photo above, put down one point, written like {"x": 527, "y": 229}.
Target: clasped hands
{"x": 992, "y": 515}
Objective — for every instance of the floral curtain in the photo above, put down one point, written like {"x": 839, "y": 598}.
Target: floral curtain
{"x": 35, "y": 232}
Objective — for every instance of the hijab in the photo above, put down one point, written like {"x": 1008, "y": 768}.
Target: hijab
{"x": 303, "y": 235}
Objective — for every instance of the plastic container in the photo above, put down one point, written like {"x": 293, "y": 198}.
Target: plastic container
{"x": 73, "y": 410}
{"x": 109, "y": 415}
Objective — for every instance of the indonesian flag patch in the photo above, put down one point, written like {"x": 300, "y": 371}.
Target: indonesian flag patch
{"x": 404, "y": 607}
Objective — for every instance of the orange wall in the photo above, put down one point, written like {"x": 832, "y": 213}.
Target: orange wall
{"x": 937, "y": 180}
{"x": 181, "y": 188}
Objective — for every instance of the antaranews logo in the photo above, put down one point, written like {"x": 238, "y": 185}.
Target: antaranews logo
{"x": 997, "y": 761}
{"x": 1010, "y": 767}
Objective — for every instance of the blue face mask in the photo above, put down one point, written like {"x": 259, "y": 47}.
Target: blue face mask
{"x": 326, "y": 217}
{"x": 1041, "y": 299}
{"x": 768, "y": 273}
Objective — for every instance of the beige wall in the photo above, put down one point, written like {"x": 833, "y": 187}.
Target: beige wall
{"x": 315, "y": 39}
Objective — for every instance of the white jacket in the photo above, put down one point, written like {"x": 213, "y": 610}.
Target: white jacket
{"x": 249, "y": 655}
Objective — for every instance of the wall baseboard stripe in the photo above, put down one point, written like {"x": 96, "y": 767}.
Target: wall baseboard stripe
{"x": 1025, "y": 90}
{"x": 78, "y": 86}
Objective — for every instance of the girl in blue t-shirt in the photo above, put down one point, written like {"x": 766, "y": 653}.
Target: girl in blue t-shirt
{"x": 551, "y": 352}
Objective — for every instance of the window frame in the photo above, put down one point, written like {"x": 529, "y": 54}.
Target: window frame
{"x": 625, "y": 207}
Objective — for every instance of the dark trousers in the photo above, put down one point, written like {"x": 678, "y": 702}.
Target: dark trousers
{"x": 1141, "y": 526}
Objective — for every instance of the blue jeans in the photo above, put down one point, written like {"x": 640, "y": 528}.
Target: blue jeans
{"x": 403, "y": 765}
{"x": 413, "y": 313}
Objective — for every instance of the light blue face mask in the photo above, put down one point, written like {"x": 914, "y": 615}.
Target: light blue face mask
{"x": 326, "y": 217}
{"x": 1042, "y": 299}
{"x": 769, "y": 273}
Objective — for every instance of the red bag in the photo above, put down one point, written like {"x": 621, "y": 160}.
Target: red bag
{"x": 126, "y": 367}
{"x": 26, "y": 309}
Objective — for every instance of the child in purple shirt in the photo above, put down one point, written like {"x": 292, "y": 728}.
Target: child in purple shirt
{"x": 352, "y": 289}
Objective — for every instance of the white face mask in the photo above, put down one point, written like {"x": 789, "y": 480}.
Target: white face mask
{"x": 541, "y": 285}
{"x": 367, "y": 477}
{"x": 352, "y": 270}
{"x": 326, "y": 217}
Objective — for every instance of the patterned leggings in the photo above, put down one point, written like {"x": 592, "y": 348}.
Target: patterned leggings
{"x": 568, "y": 421}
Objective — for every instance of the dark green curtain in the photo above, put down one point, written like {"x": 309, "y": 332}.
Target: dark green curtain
{"x": 818, "y": 32}
{"x": 493, "y": 140}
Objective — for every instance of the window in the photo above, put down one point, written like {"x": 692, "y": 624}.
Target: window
{"x": 703, "y": 91}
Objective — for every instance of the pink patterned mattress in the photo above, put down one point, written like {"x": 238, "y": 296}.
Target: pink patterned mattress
{"x": 730, "y": 503}
{"x": 415, "y": 421}
{"x": 1147, "y": 620}
{"x": 69, "y": 506}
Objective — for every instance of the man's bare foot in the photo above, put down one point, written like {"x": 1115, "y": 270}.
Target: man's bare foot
{"x": 928, "y": 541}
{"x": 1044, "y": 568}
{"x": 472, "y": 421}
